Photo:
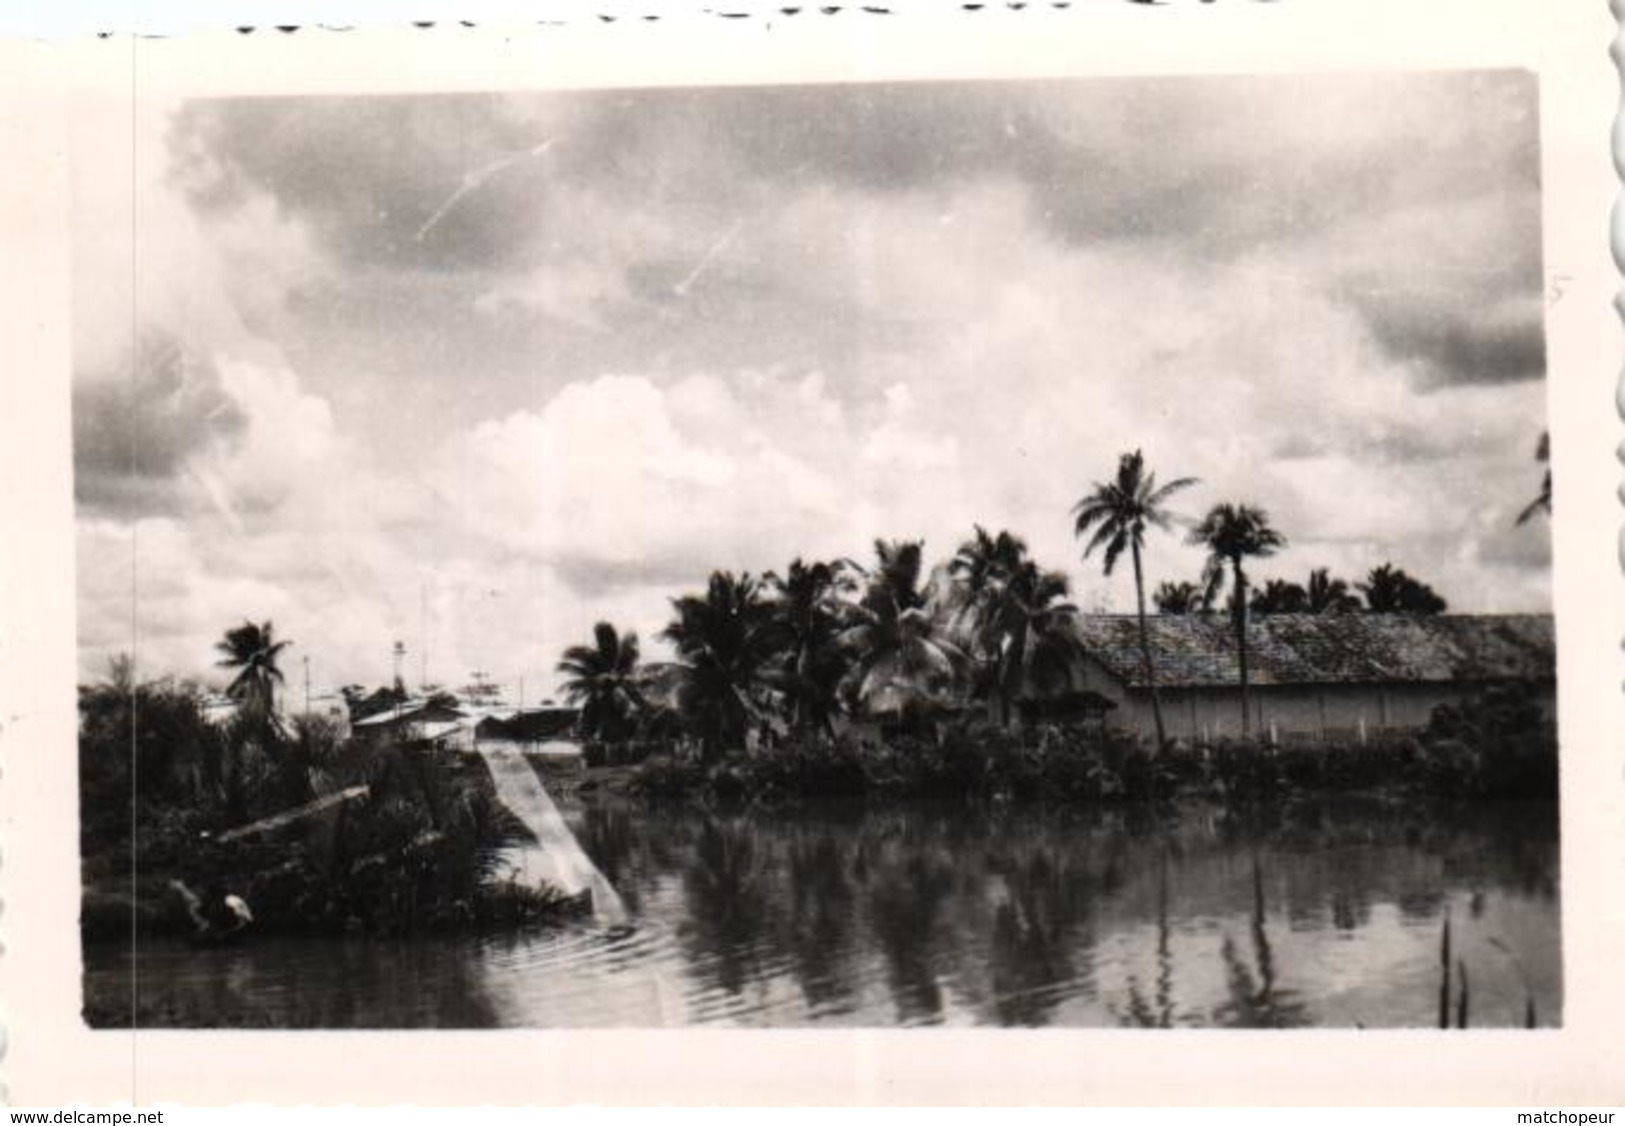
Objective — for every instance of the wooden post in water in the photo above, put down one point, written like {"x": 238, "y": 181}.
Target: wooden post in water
{"x": 1444, "y": 973}
{"x": 1461, "y": 1001}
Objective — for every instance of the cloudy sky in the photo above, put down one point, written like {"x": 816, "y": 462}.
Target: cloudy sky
{"x": 476, "y": 371}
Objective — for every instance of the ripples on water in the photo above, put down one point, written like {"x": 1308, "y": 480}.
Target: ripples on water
{"x": 837, "y": 915}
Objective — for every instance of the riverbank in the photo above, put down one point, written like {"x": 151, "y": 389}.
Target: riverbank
{"x": 860, "y": 913}
{"x": 1497, "y": 750}
{"x": 404, "y": 844}
{"x": 384, "y": 840}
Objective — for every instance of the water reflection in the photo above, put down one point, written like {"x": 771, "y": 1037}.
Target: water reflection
{"x": 1310, "y": 915}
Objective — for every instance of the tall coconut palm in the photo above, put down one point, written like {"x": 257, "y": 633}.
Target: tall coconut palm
{"x": 902, "y": 656}
{"x": 603, "y": 682}
{"x": 1232, "y": 533}
{"x": 725, "y": 642}
{"x": 1118, "y": 512}
{"x": 1327, "y": 595}
{"x": 253, "y": 651}
{"x": 807, "y": 603}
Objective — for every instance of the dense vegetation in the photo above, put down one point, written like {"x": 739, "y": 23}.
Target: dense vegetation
{"x": 160, "y": 786}
{"x": 780, "y": 659}
{"x": 772, "y": 680}
{"x": 1496, "y": 745}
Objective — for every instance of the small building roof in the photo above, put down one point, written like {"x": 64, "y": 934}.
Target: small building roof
{"x": 439, "y": 728}
{"x": 409, "y": 711}
{"x": 1199, "y": 650}
{"x": 528, "y": 724}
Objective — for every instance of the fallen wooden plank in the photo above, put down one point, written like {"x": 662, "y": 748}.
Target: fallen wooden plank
{"x": 289, "y": 816}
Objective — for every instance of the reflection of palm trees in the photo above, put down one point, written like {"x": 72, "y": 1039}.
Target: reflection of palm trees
{"x": 906, "y": 909}
{"x": 1254, "y": 1000}
{"x": 726, "y": 905}
{"x": 821, "y": 910}
{"x": 1165, "y": 959}
{"x": 1140, "y": 1012}
{"x": 1032, "y": 942}
{"x": 608, "y": 836}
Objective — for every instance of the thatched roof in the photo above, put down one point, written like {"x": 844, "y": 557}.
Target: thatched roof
{"x": 1199, "y": 650}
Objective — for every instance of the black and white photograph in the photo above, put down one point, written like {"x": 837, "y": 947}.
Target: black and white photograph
{"x": 1042, "y": 553}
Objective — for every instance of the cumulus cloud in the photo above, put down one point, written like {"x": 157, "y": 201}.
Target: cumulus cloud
{"x": 616, "y": 480}
{"x": 135, "y": 435}
{"x": 475, "y": 372}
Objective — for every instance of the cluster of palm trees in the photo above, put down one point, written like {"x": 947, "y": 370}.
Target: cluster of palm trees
{"x": 1386, "y": 589}
{"x": 792, "y": 652}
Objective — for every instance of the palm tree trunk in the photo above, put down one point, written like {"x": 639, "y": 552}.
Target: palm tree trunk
{"x": 1145, "y": 648}
{"x": 1241, "y": 647}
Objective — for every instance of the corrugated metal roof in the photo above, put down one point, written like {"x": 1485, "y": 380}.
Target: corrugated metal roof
{"x": 1200, "y": 650}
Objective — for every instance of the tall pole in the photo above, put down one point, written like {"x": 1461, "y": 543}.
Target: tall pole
{"x": 306, "y": 659}
{"x": 400, "y": 651}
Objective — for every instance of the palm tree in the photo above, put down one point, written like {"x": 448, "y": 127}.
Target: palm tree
{"x": 603, "y": 682}
{"x": 1327, "y": 595}
{"x": 978, "y": 573}
{"x": 895, "y": 577}
{"x": 902, "y": 657}
{"x": 1232, "y": 533}
{"x": 1029, "y": 627}
{"x": 1280, "y": 597}
{"x": 1543, "y": 500}
{"x": 807, "y": 604}
{"x": 981, "y": 564}
{"x": 725, "y": 644}
{"x": 1119, "y": 512}
{"x": 253, "y": 651}
{"x": 1389, "y": 590}
{"x": 1179, "y": 598}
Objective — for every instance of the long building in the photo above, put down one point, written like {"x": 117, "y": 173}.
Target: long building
{"x": 1331, "y": 676}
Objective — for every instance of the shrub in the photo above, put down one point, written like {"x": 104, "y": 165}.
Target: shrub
{"x": 1498, "y": 743}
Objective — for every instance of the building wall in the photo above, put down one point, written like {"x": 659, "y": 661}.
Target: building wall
{"x": 1334, "y": 711}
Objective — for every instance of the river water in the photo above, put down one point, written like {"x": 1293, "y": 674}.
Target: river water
{"x": 918, "y": 914}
